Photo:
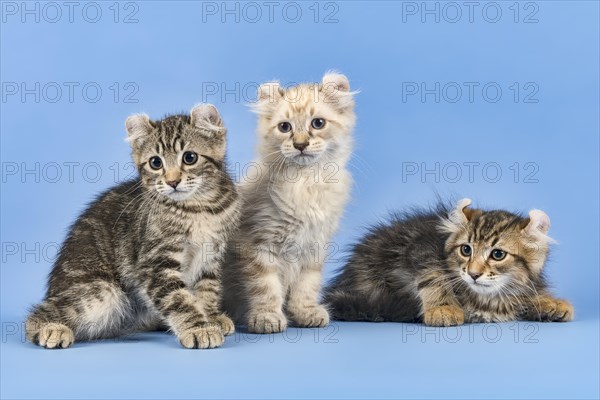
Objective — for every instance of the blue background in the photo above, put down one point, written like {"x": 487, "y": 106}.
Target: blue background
{"x": 174, "y": 53}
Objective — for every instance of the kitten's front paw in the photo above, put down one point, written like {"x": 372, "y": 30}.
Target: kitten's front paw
{"x": 55, "y": 336}
{"x": 444, "y": 316}
{"x": 554, "y": 310}
{"x": 225, "y": 323}
{"x": 206, "y": 337}
{"x": 267, "y": 322}
{"x": 311, "y": 317}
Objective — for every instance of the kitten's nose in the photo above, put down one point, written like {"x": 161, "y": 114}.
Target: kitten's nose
{"x": 475, "y": 275}
{"x": 301, "y": 145}
{"x": 173, "y": 184}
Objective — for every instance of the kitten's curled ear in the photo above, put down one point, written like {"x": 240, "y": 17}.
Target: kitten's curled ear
{"x": 268, "y": 94}
{"x": 535, "y": 240}
{"x": 458, "y": 217}
{"x": 270, "y": 91}
{"x": 461, "y": 214}
{"x": 206, "y": 117}
{"x": 537, "y": 225}
{"x": 336, "y": 81}
{"x": 336, "y": 89}
{"x": 137, "y": 126}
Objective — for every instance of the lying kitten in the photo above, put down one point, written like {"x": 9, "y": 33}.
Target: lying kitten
{"x": 291, "y": 211}
{"x": 447, "y": 268}
{"x": 148, "y": 253}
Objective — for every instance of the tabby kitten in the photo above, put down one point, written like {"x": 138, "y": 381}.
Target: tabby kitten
{"x": 147, "y": 253}
{"x": 273, "y": 268}
{"x": 444, "y": 268}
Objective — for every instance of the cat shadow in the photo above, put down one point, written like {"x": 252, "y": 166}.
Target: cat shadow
{"x": 162, "y": 337}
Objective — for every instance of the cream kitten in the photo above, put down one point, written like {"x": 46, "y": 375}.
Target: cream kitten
{"x": 291, "y": 211}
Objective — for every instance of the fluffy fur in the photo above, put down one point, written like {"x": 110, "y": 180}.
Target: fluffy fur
{"x": 416, "y": 269}
{"x": 147, "y": 253}
{"x": 290, "y": 212}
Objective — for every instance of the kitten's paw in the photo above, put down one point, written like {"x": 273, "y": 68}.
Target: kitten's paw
{"x": 554, "y": 310}
{"x": 207, "y": 337}
{"x": 225, "y": 323}
{"x": 444, "y": 316}
{"x": 267, "y": 322}
{"x": 55, "y": 336}
{"x": 311, "y": 317}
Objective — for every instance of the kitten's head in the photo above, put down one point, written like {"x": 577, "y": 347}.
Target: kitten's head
{"x": 496, "y": 251}
{"x": 306, "y": 123}
{"x": 178, "y": 156}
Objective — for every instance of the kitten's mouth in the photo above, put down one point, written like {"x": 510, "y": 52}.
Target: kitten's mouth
{"x": 178, "y": 194}
{"x": 481, "y": 288}
{"x": 478, "y": 286}
{"x": 304, "y": 158}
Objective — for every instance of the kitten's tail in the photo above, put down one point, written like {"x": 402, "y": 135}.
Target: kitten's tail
{"x": 346, "y": 306}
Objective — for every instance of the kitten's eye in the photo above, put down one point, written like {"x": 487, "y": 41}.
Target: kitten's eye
{"x": 189, "y": 157}
{"x": 466, "y": 250}
{"x": 155, "y": 162}
{"x": 498, "y": 254}
{"x": 285, "y": 127}
{"x": 317, "y": 123}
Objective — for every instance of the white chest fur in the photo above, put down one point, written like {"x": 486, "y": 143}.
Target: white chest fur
{"x": 204, "y": 247}
{"x": 315, "y": 204}
{"x": 312, "y": 210}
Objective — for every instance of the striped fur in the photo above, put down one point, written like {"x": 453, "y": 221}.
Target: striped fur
{"x": 412, "y": 269}
{"x": 145, "y": 255}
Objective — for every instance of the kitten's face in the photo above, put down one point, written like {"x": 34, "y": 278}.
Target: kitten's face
{"x": 305, "y": 123}
{"x": 496, "y": 252}
{"x": 178, "y": 157}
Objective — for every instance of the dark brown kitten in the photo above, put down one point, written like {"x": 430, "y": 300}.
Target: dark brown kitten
{"x": 447, "y": 267}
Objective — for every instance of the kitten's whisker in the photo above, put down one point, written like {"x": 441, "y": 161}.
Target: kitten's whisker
{"x": 137, "y": 197}
{"x": 536, "y": 299}
{"x": 359, "y": 158}
{"x": 357, "y": 167}
{"x": 133, "y": 188}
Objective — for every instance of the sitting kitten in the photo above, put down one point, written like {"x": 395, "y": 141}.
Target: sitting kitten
{"x": 147, "y": 253}
{"x": 290, "y": 212}
{"x": 473, "y": 265}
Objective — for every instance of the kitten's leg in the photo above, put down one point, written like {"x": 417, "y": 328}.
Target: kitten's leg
{"x": 439, "y": 306}
{"x": 265, "y": 296}
{"x": 46, "y": 327}
{"x": 303, "y": 301}
{"x": 182, "y": 311}
{"x": 208, "y": 290}
{"x": 86, "y": 311}
{"x": 545, "y": 308}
